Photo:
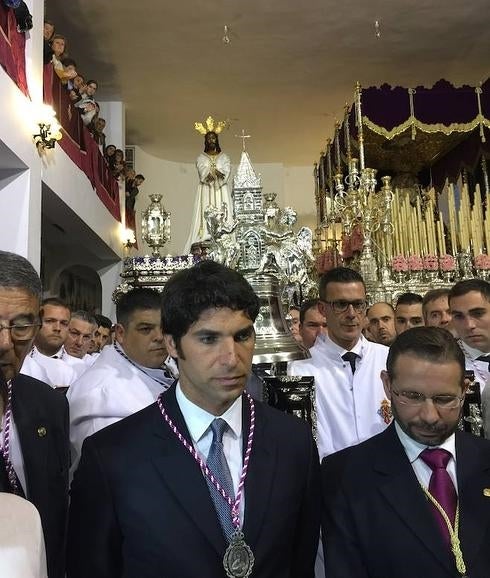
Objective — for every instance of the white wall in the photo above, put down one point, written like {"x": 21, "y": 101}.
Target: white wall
{"x": 177, "y": 182}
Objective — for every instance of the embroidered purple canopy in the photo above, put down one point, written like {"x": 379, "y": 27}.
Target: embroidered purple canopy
{"x": 408, "y": 130}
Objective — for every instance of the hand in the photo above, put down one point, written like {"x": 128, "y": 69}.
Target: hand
{"x": 219, "y": 174}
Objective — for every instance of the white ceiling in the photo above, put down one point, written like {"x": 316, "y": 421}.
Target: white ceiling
{"x": 285, "y": 75}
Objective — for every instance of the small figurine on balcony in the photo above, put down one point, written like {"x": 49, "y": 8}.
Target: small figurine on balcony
{"x": 213, "y": 167}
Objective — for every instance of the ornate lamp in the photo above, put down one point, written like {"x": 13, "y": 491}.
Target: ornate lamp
{"x": 155, "y": 225}
{"x": 49, "y": 129}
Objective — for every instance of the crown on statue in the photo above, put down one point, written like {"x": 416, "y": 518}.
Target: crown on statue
{"x": 210, "y": 126}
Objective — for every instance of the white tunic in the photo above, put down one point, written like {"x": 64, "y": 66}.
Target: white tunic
{"x": 209, "y": 193}
{"x": 59, "y": 373}
{"x": 348, "y": 406}
{"x": 107, "y": 392}
{"x": 34, "y": 369}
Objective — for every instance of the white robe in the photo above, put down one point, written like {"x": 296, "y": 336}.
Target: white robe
{"x": 348, "y": 406}
{"x": 107, "y": 392}
{"x": 22, "y": 553}
{"x": 59, "y": 373}
{"x": 213, "y": 193}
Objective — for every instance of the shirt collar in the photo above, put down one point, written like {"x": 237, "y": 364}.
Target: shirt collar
{"x": 472, "y": 352}
{"x": 413, "y": 448}
{"x": 359, "y": 348}
{"x": 198, "y": 420}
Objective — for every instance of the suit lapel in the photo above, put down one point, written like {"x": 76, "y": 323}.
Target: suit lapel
{"x": 260, "y": 475}
{"x": 473, "y": 471}
{"x": 400, "y": 487}
{"x": 182, "y": 475}
{"x": 31, "y": 423}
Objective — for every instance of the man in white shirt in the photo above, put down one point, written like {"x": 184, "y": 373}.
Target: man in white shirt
{"x": 469, "y": 302}
{"x": 381, "y": 317}
{"x": 435, "y": 308}
{"x": 125, "y": 377}
{"x": 408, "y": 312}
{"x": 413, "y": 500}
{"x": 205, "y": 482}
{"x": 80, "y": 332}
{"x": 350, "y": 401}
{"x": 312, "y": 323}
{"x": 48, "y": 351}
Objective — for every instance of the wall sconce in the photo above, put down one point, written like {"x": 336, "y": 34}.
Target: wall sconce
{"x": 128, "y": 238}
{"x": 49, "y": 129}
{"x": 155, "y": 225}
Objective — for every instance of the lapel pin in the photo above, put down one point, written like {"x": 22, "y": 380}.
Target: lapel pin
{"x": 486, "y": 492}
{"x": 41, "y": 432}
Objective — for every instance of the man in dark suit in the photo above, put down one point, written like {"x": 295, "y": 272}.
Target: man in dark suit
{"x": 145, "y": 498}
{"x": 415, "y": 499}
{"x": 34, "y": 456}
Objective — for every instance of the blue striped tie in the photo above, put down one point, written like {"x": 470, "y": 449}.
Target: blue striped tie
{"x": 218, "y": 465}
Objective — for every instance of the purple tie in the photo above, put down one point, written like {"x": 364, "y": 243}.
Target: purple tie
{"x": 441, "y": 486}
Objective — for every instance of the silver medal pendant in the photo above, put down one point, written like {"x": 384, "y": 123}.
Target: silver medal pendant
{"x": 238, "y": 560}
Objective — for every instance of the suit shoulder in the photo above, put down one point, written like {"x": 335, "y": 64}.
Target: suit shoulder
{"x": 32, "y": 388}
{"x": 128, "y": 428}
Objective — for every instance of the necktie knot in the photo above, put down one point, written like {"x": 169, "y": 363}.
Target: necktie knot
{"x": 218, "y": 427}
{"x": 437, "y": 458}
{"x": 351, "y": 357}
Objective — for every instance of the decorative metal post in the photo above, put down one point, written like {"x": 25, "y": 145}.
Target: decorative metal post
{"x": 155, "y": 225}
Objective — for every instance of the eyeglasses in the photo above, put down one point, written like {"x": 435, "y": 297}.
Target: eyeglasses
{"x": 417, "y": 399}
{"x": 340, "y": 306}
{"x": 21, "y": 332}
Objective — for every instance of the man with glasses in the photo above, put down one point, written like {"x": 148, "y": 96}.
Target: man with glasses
{"x": 350, "y": 401}
{"x": 34, "y": 456}
{"x": 413, "y": 500}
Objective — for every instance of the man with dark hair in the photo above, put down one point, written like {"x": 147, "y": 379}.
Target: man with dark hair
{"x": 408, "y": 312}
{"x": 125, "y": 377}
{"x": 34, "y": 456}
{"x": 381, "y": 317}
{"x": 435, "y": 308}
{"x": 350, "y": 401}
{"x": 102, "y": 334}
{"x": 469, "y": 302}
{"x": 312, "y": 323}
{"x": 421, "y": 486}
{"x": 205, "y": 479}
{"x": 294, "y": 321}
{"x": 48, "y": 350}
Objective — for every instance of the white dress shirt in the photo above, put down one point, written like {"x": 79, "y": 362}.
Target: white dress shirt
{"x": 198, "y": 422}
{"x": 16, "y": 457}
{"x": 421, "y": 469}
{"x": 348, "y": 405}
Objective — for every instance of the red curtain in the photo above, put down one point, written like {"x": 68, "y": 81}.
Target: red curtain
{"x": 12, "y": 48}
{"x": 79, "y": 145}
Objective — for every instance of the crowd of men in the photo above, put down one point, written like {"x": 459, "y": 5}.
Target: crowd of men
{"x": 177, "y": 471}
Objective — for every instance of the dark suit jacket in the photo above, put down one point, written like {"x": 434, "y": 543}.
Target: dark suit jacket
{"x": 41, "y": 417}
{"x": 378, "y": 523}
{"x": 141, "y": 508}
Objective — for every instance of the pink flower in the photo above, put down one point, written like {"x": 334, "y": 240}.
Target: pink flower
{"x": 431, "y": 263}
{"x": 399, "y": 264}
{"x": 482, "y": 262}
{"x": 447, "y": 263}
{"x": 415, "y": 263}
